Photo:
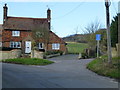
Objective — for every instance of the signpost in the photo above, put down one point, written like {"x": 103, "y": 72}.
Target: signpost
{"x": 98, "y": 38}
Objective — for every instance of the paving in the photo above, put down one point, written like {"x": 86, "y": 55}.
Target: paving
{"x": 67, "y": 72}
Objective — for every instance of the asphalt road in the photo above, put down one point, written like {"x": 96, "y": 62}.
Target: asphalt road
{"x": 66, "y": 72}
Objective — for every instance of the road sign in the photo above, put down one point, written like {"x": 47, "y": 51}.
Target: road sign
{"x": 98, "y": 37}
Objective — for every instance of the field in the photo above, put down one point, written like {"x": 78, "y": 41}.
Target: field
{"x": 76, "y": 48}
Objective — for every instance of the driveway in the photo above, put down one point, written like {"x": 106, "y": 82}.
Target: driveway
{"x": 66, "y": 72}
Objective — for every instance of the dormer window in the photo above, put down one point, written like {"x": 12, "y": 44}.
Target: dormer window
{"x": 16, "y": 33}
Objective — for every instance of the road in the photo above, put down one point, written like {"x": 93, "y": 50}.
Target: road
{"x": 66, "y": 72}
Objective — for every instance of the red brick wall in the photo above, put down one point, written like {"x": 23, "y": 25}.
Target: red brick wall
{"x": 6, "y": 44}
{"x": 62, "y": 47}
{"x": 7, "y": 35}
{"x": 53, "y": 38}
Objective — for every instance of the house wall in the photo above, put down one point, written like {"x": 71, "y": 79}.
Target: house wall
{"x": 62, "y": 48}
{"x": 6, "y": 44}
{"x": 7, "y": 37}
{"x": 55, "y": 39}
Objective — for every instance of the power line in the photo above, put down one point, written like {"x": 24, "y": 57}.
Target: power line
{"x": 70, "y": 11}
{"x": 113, "y": 4}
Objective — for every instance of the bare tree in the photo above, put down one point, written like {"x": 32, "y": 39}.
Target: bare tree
{"x": 90, "y": 32}
{"x": 92, "y": 27}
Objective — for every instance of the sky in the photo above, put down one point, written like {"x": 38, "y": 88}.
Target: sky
{"x": 67, "y": 17}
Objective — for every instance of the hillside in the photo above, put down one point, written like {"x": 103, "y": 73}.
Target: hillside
{"x": 75, "y": 38}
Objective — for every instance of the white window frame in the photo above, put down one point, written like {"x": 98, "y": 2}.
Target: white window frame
{"x": 41, "y": 45}
{"x": 16, "y": 33}
{"x": 15, "y": 44}
{"x": 55, "y": 46}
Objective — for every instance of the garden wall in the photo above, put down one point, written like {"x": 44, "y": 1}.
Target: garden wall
{"x": 115, "y": 51}
{"x": 10, "y": 54}
{"x": 37, "y": 54}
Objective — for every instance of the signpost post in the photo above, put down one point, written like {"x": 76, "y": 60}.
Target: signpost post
{"x": 98, "y": 38}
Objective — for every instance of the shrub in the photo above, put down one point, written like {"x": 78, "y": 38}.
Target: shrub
{"x": 53, "y": 52}
{"x": 84, "y": 55}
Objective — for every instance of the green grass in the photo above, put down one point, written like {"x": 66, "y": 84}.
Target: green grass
{"x": 76, "y": 48}
{"x": 28, "y": 61}
{"x": 101, "y": 66}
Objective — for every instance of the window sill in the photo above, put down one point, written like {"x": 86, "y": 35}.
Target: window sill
{"x": 15, "y": 36}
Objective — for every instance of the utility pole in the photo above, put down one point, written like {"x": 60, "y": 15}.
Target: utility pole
{"x": 107, "y": 4}
{"x": 119, "y": 28}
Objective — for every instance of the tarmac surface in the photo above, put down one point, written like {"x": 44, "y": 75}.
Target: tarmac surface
{"x": 66, "y": 72}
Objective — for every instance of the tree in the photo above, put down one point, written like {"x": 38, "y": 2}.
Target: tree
{"x": 114, "y": 31}
{"x": 90, "y": 31}
{"x": 92, "y": 27}
{"x": 40, "y": 33}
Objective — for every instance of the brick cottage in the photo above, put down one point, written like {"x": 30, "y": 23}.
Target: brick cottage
{"x": 18, "y": 33}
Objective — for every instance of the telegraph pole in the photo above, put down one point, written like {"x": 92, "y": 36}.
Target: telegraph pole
{"x": 107, "y": 4}
{"x": 119, "y": 29}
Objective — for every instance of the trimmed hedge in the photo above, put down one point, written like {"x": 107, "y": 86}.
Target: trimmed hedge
{"x": 53, "y": 52}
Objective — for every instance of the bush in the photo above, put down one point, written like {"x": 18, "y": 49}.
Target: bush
{"x": 54, "y": 52}
{"x": 84, "y": 55}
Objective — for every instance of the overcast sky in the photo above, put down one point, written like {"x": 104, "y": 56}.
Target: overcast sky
{"x": 67, "y": 17}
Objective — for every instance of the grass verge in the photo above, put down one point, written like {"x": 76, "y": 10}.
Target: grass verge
{"x": 101, "y": 67}
{"x": 76, "y": 48}
{"x": 28, "y": 61}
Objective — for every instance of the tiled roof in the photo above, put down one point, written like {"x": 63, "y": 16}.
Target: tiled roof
{"x": 22, "y": 23}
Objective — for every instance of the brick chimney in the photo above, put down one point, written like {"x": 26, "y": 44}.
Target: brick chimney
{"x": 5, "y": 8}
{"x": 49, "y": 18}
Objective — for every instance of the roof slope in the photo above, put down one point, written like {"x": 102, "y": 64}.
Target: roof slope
{"x": 21, "y": 23}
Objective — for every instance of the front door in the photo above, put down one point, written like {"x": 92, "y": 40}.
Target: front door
{"x": 28, "y": 47}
